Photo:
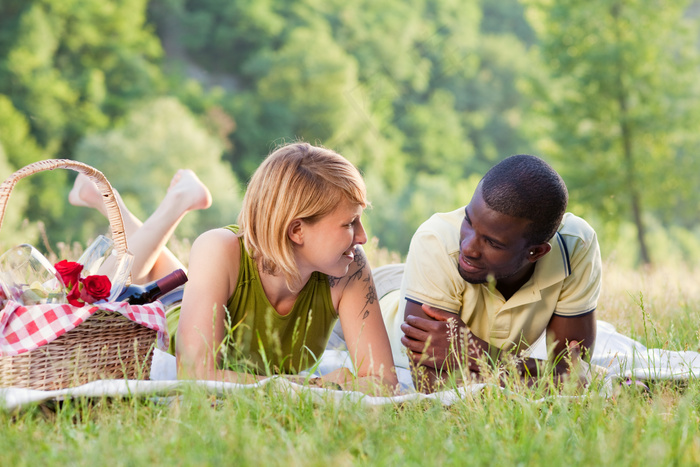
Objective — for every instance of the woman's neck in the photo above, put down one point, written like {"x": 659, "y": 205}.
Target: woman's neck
{"x": 280, "y": 296}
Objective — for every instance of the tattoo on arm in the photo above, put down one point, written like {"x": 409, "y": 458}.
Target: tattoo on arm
{"x": 361, "y": 263}
{"x": 371, "y": 297}
{"x": 359, "y": 275}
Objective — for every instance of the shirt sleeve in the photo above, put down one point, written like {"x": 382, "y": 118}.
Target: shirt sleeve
{"x": 431, "y": 267}
{"x": 581, "y": 289}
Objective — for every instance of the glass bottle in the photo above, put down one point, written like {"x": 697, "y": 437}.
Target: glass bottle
{"x": 138, "y": 294}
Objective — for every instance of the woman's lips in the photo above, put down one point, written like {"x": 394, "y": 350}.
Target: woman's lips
{"x": 350, "y": 254}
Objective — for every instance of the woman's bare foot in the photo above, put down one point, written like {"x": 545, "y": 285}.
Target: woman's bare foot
{"x": 189, "y": 190}
{"x": 85, "y": 193}
{"x": 185, "y": 186}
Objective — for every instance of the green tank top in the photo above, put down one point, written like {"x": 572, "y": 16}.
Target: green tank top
{"x": 261, "y": 340}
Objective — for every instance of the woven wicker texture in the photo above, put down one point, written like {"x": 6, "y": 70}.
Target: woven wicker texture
{"x": 105, "y": 346}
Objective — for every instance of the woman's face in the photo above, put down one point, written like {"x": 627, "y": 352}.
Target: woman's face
{"x": 328, "y": 245}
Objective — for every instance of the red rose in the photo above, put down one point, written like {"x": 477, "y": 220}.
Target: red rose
{"x": 74, "y": 296}
{"x": 69, "y": 272}
{"x": 95, "y": 288}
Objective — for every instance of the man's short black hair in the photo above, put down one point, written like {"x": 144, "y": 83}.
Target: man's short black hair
{"x": 527, "y": 187}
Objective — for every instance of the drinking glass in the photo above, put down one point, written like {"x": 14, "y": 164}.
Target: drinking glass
{"x": 101, "y": 258}
{"x": 95, "y": 255}
{"x": 27, "y": 277}
{"x": 118, "y": 270}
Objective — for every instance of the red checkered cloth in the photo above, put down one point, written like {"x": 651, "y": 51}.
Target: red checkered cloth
{"x": 23, "y": 329}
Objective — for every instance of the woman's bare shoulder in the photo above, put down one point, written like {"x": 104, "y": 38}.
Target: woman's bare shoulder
{"x": 217, "y": 246}
{"x": 217, "y": 238}
{"x": 214, "y": 261}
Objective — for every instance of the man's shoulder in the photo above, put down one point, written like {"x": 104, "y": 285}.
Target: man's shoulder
{"x": 573, "y": 227}
{"x": 439, "y": 232}
{"x": 579, "y": 239}
{"x": 443, "y": 224}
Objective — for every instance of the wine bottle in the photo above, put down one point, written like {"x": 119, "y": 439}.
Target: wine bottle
{"x": 145, "y": 293}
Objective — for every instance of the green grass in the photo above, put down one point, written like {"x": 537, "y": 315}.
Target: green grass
{"x": 264, "y": 427}
{"x": 261, "y": 428}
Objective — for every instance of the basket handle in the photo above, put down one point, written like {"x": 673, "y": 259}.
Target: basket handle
{"x": 114, "y": 215}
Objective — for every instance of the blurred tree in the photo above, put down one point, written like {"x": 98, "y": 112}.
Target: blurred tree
{"x": 411, "y": 91}
{"x": 71, "y": 67}
{"x": 420, "y": 94}
{"x": 19, "y": 145}
{"x": 17, "y": 149}
{"x": 221, "y": 35}
{"x": 14, "y": 228}
{"x": 507, "y": 18}
{"x": 300, "y": 93}
{"x": 73, "y": 64}
{"x": 624, "y": 108}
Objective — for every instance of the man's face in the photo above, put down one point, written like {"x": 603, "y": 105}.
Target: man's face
{"x": 491, "y": 243}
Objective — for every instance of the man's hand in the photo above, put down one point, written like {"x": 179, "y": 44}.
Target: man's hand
{"x": 578, "y": 369}
{"x": 439, "y": 340}
{"x": 571, "y": 341}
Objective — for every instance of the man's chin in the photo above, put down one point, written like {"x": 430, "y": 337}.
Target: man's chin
{"x": 471, "y": 278}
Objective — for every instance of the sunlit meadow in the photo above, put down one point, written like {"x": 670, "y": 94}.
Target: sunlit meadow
{"x": 493, "y": 427}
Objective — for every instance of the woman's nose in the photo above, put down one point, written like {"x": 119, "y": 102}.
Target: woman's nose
{"x": 360, "y": 234}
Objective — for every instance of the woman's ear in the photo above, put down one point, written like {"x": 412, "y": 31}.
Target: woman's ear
{"x": 295, "y": 231}
{"x": 538, "y": 251}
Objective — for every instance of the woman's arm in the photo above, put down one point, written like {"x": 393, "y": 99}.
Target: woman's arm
{"x": 213, "y": 273}
{"x": 363, "y": 326}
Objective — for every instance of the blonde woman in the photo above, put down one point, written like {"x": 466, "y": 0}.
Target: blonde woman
{"x": 263, "y": 295}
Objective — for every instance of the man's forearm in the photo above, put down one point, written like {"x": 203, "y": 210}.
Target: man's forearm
{"x": 427, "y": 379}
{"x": 465, "y": 362}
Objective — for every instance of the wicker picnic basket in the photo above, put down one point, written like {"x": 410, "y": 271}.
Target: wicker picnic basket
{"x": 107, "y": 345}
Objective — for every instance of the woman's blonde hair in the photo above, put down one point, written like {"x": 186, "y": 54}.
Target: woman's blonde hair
{"x": 296, "y": 181}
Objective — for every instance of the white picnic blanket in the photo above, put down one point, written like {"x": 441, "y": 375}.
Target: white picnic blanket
{"x": 619, "y": 355}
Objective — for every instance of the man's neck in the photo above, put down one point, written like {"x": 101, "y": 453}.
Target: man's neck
{"x": 510, "y": 285}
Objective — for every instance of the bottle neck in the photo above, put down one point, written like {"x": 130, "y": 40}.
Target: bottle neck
{"x": 171, "y": 281}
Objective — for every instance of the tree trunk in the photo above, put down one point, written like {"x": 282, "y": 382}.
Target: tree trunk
{"x": 626, "y": 134}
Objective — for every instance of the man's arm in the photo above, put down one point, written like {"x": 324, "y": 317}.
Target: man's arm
{"x": 435, "y": 341}
{"x": 570, "y": 340}
{"x": 438, "y": 342}
{"x": 563, "y": 330}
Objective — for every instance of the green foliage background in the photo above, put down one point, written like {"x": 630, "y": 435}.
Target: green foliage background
{"x": 423, "y": 95}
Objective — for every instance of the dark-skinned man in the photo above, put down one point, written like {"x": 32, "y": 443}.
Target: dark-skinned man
{"x": 494, "y": 276}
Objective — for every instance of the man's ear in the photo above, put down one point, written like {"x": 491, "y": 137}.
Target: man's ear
{"x": 295, "y": 231}
{"x": 535, "y": 252}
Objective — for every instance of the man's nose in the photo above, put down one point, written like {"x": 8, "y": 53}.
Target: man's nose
{"x": 470, "y": 246}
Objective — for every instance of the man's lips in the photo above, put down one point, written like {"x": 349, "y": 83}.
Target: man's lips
{"x": 468, "y": 266}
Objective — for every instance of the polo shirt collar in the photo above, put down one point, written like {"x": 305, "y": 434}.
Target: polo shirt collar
{"x": 551, "y": 269}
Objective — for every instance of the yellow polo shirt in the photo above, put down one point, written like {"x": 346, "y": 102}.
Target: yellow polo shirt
{"x": 566, "y": 282}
